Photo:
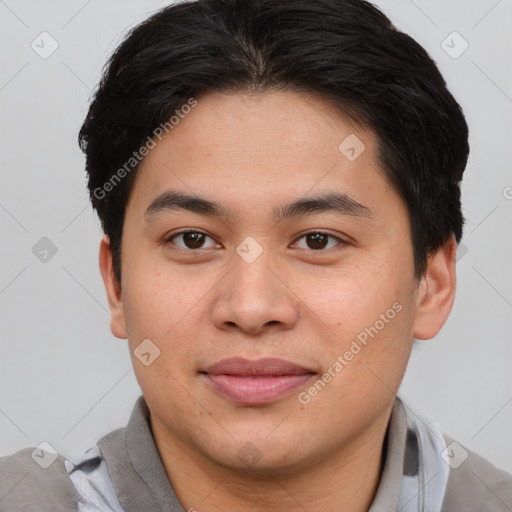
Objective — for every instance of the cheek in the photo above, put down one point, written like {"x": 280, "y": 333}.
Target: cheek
{"x": 164, "y": 311}
{"x": 367, "y": 319}
{"x": 156, "y": 300}
{"x": 168, "y": 308}
{"x": 365, "y": 368}
{"x": 348, "y": 302}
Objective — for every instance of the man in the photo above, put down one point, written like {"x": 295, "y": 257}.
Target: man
{"x": 278, "y": 183}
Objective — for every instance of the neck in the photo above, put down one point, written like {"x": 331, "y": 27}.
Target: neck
{"x": 346, "y": 479}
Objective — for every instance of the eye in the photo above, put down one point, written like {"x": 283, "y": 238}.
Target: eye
{"x": 317, "y": 241}
{"x": 192, "y": 240}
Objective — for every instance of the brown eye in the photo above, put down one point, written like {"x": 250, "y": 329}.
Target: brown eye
{"x": 318, "y": 241}
{"x": 192, "y": 240}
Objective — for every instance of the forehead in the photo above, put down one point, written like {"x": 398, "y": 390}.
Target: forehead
{"x": 252, "y": 147}
{"x": 299, "y": 123}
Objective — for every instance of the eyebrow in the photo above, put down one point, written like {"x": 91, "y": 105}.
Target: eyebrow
{"x": 334, "y": 202}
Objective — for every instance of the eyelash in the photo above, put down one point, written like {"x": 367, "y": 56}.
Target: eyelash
{"x": 170, "y": 238}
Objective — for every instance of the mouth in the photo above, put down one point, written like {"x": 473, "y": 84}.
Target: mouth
{"x": 263, "y": 381}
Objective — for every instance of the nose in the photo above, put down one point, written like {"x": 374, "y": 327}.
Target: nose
{"x": 254, "y": 297}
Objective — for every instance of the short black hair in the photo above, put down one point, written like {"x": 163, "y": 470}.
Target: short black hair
{"x": 346, "y": 51}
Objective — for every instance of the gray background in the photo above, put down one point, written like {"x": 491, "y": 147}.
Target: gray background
{"x": 66, "y": 380}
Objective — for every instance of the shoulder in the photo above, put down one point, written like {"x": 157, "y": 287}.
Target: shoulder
{"x": 474, "y": 483}
{"x": 33, "y": 479}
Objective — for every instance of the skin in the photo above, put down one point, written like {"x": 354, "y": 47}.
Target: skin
{"x": 303, "y": 304}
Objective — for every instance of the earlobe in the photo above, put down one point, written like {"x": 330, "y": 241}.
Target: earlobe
{"x": 113, "y": 289}
{"x": 436, "y": 292}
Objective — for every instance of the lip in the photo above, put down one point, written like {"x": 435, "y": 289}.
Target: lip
{"x": 262, "y": 381}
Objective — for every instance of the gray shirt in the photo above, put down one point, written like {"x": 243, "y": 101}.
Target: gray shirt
{"x": 423, "y": 471}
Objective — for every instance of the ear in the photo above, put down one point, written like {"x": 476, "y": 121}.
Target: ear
{"x": 436, "y": 292}
{"x": 113, "y": 289}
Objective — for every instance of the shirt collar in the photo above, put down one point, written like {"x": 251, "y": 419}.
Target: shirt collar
{"x": 413, "y": 479}
{"x": 135, "y": 466}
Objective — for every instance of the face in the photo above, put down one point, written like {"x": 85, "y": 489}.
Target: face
{"x": 288, "y": 247}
